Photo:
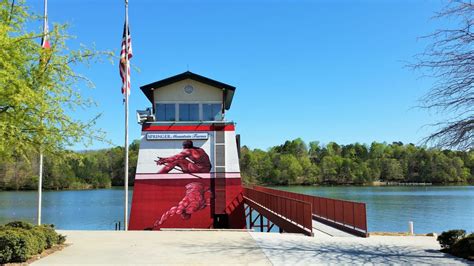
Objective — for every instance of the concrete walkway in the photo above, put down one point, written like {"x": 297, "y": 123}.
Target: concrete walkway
{"x": 290, "y": 249}
{"x": 152, "y": 247}
{"x": 242, "y": 248}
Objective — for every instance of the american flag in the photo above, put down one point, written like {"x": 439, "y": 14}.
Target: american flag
{"x": 124, "y": 67}
{"x": 45, "y": 38}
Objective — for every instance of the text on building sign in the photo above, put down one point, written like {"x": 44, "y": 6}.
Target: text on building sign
{"x": 172, "y": 136}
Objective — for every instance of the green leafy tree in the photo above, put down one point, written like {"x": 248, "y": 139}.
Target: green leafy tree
{"x": 311, "y": 172}
{"x": 296, "y": 147}
{"x": 333, "y": 149}
{"x": 292, "y": 163}
{"x": 315, "y": 151}
{"x": 39, "y": 88}
{"x": 330, "y": 166}
{"x": 391, "y": 170}
{"x": 290, "y": 169}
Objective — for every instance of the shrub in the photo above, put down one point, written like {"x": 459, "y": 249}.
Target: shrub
{"x": 51, "y": 237}
{"x": 39, "y": 239}
{"x": 8, "y": 243}
{"x": 16, "y": 245}
{"x": 61, "y": 239}
{"x": 448, "y": 238}
{"x": 19, "y": 224}
{"x": 464, "y": 248}
{"x": 20, "y": 240}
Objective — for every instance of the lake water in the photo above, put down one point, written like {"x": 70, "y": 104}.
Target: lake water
{"x": 389, "y": 209}
{"x": 74, "y": 209}
{"x": 432, "y": 208}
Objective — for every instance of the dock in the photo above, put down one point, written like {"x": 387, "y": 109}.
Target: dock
{"x": 243, "y": 248}
{"x": 304, "y": 214}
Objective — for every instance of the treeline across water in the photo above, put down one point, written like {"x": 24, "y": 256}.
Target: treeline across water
{"x": 293, "y": 163}
{"x": 296, "y": 163}
{"x": 71, "y": 170}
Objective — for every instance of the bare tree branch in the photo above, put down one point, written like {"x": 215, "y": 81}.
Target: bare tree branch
{"x": 449, "y": 59}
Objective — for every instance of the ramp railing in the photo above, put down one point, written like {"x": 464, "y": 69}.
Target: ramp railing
{"x": 291, "y": 215}
{"x": 346, "y": 215}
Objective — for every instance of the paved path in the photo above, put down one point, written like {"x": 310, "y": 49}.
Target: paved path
{"x": 165, "y": 247}
{"x": 244, "y": 248}
{"x": 292, "y": 249}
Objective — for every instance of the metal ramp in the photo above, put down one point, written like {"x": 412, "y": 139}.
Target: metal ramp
{"x": 290, "y": 211}
{"x": 290, "y": 215}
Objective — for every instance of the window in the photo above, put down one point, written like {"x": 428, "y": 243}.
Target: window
{"x": 189, "y": 112}
{"x": 165, "y": 112}
{"x": 211, "y": 112}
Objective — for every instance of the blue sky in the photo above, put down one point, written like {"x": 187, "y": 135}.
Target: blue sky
{"x": 319, "y": 70}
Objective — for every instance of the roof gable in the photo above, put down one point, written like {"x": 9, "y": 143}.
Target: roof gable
{"x": 228, "y": 89}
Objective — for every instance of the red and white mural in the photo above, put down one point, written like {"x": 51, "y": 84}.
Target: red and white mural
{"x": 190, "y": 160}
{"x": 177, "y": 185}
{"x": 194, "y": 200}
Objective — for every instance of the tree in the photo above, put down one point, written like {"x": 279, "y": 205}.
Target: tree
{"x": 330, "y": 166}
{"x": 391, "y": 170}
{"x": 311, "y": 172}
{"x": 333, "y": 148}
{"x": 296, "y": 147}
{"x": 314, "y": 151}
{"x": 450, "y": 60}
{"x": 287, "y": 164}
{"x": 38, "y": 88}
{"x": 290, "y": 169}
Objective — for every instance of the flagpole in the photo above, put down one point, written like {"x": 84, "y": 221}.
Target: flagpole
{"x": 40, "y": 185}
{"x": 40, "y": 176}
{"x": 125, "y": 223}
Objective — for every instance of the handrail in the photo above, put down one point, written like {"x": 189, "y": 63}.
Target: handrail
{"x": 341, "y": 213}
{"x": 293, "y": 210}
